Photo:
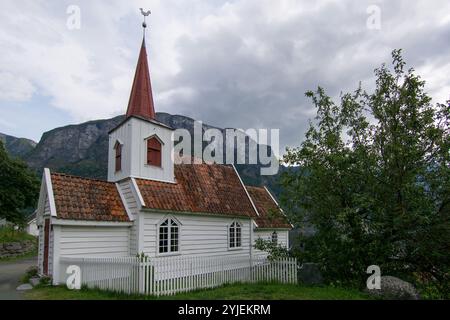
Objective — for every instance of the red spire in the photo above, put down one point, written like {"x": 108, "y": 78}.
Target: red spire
{"x": 141, "y": 97}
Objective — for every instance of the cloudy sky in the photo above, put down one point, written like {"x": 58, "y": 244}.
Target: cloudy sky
{"x": 236, "y": 63}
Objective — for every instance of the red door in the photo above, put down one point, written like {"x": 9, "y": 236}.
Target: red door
{"x": 46, "y": 243}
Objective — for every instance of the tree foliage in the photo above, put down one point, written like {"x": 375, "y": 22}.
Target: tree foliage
{"x": 274, "y": 250}
{"x": 19, "y": 188}
{"x": 375, "y": 181}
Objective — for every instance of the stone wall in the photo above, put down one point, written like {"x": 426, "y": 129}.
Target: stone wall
{"x": 12, "y": 249}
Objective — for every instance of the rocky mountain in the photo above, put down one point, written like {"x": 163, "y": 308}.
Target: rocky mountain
{"x": 82, "y": 149}
{"x": 17, "y": 147}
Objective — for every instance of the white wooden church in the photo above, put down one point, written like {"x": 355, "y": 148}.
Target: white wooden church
{"x": 149, "y": 204}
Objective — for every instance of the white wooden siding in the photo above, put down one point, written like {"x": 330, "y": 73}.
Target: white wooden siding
{"x": 132, "y": 204}
{"x": 139, "y": 168}
{"x": 50, "y": 252}
{"x": 84, "y": 241}
{"x": 199, "y": 235}
{"x": 134, "y": 239}
{"x": 283, "y": 238}
{"x": 123, "y": 134}
{"x": 132, "y": 135}
{"x": 47, "y": 207}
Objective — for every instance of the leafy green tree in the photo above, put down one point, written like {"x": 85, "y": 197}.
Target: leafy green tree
{"x": 375, "y": 181}
{"x": 19, "y": 188}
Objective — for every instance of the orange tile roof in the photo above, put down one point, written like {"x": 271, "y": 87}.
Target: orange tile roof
{"x": 200, "y": 188}
{"x": 86, "y": 199}
{"x": 270, "y": 215}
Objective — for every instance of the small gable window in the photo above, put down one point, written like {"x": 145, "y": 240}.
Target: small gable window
{"x": 235, "y": 235}
{"x": 168, "y": 236}
{"x": 118, "y": 156}
{"x": 154, "y": 152}
{"x": 274, "y": 237}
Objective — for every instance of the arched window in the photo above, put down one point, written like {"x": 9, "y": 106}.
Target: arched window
{"x": 235, "y": 235}
{"x": 118, "y": 156}
{"x": 168, "y": 236}
{"x": 274, "y": 237}
{"x": 154, "y": 152}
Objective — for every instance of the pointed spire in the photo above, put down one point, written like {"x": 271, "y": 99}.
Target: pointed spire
{"x": 141, "y": 97}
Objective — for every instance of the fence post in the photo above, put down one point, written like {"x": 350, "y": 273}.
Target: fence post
{"x": 250, "y": 275}
{"x": 141, "y": 275}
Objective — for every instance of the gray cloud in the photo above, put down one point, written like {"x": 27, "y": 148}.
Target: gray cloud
{"x": 242, "y": 63}
{"x": 254, "y": 71}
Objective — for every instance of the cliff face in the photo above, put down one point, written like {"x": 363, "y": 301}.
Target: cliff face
{"x": 76, "y": 149}
{"x": 82, "y": 149}
{"x": 17, "y": 147}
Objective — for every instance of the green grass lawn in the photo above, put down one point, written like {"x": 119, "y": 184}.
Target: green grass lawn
{"x": 8, "y": 234}
{"x": 228, "y": 292}
{"x": 30, "y": 254}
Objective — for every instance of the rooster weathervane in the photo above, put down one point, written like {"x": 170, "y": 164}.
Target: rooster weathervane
{"x": 145, "y": 14}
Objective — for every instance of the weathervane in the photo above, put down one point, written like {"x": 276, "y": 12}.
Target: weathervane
{"x": 145, "y": 14}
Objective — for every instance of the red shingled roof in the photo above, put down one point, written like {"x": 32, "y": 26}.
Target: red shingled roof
{"x": 202, "y": 188}
{"x": 199, "y": 188}
{"x": 87, "y": 199}
{"x": 270, "y": 215}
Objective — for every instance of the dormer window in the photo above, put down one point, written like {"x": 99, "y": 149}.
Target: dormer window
{"x": 118, "y": 156}
{"x": 154, "y": 152}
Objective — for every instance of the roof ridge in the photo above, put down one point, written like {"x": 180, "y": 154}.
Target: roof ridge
{"x": 78, "y": 177}
{"x": 157, "y": 181}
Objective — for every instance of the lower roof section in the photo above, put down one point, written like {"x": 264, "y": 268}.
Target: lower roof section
{"x": 87, "y": 199}
{"x": 270, "y": 214}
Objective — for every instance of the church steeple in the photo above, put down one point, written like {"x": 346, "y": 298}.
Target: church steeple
{"x": 141, "y": 97}
{"x": 140, "y": 146}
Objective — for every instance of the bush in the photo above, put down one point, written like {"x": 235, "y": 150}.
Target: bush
{"x": 31, "y": 272}
{"x": 275, "y": 251}
{"x": 46, "y": 281}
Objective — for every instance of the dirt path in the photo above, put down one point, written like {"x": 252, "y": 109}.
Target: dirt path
{"x": 10, "y": 274}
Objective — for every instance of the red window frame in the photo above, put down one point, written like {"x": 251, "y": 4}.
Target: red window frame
{"x": 154, "y": 152}
{"x": 118, "y": 157}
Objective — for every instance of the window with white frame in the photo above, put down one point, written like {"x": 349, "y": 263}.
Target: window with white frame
{"x": 235, "y": 235}
{"x": 168, "y": 236}
{"x": 274, "y": 237}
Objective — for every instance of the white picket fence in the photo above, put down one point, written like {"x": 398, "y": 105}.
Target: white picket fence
{"x": 170, "y": 275}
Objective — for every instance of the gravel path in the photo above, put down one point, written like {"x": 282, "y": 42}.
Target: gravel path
{"x": 10, "y": 274}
